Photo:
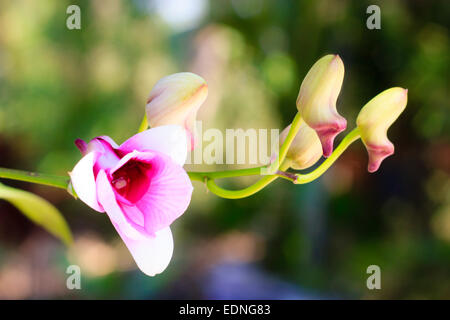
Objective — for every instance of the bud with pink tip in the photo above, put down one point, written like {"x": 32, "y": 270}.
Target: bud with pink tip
{"x": 317, "y": 98}
{"x": 374, "y": 120}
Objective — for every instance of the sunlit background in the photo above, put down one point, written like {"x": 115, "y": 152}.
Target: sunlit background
{"x": 287, "y": 242}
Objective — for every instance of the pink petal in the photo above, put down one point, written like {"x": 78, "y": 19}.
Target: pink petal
{"x": 108, "y": 157}
{"x": 377, "y": 154}
{"x": 110, "y": 141}
{"x": 133, "y": 214}
{"x": 166, "y": 197}
{"x": 152, "y": 253}
{"x": 170, "y": 140}
{"x": 107, "y": 199}
{"x": 83, "y": 181}
{"x": 134, "y": 155}
{"x": 328, "y": 132}
{"x": 82, "y": 146}
{"x": 132, "y": 175}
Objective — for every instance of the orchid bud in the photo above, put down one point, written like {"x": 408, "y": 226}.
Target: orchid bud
{"x": 374, "y": 120}
{"x": 175, "y": 100}
{"x": 316, "y": 100}
{"x": 305, "y": 150}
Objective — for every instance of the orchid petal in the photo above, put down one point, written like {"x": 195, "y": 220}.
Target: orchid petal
{"x": 82, "y": 146}
{"x": 106, "y": 197}
{"x": 83, "y": 181}
{"x": 108, "y": 157}
{"x": 152, "y": 253}
{"x": 111, "y": 142}
{"x": 170, "y": 140}
{"x": 168, "y": 194}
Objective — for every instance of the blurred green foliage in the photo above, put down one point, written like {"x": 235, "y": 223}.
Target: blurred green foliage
{"x": 57, "y": 85}
{"x": 39, "y": 211}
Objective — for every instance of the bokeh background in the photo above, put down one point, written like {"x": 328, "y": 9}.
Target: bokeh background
{"x": 287, "y": 242}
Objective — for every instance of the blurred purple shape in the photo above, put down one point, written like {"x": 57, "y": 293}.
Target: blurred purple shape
{"x": 245, "y": 281}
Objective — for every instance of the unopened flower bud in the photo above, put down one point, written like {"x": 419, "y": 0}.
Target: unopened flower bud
{"x": 175, "y": 100}
{"x": 374, "y": 120}
{"x": 305, "y": 150}
{"x": 316, "y": 100}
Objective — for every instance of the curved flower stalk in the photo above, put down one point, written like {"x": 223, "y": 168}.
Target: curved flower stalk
{"x": 142, "y": 187}
{"x": 175, "y": 99}
{"x": 374, "y": 120}
{"x": 317, "y": 98}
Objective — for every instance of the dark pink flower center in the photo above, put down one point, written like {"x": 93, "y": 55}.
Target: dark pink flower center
{"x": 132, "y": 180}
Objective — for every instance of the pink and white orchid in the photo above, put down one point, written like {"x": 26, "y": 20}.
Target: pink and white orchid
{"x": 141, "y": 185}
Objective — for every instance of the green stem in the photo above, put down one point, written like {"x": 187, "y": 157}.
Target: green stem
{"x": 243, "y": 193}
{"x": 202, "y": 176}
{"x": 270, "y": 173}
{"x": 144, "y": 124}
{"x": 295, "y": 126}
{"x": 266, "y": 180}
{"x": 33, "y": 177}
{"x": 246, "y": 192}
{"x": 351, "y": 137}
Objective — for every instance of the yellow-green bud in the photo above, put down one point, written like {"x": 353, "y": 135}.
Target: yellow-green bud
{"x": 175, "y": 99}
{"x": 374, "y": 120}
{"x": 317, "y": 98}
{"x": 305, "y": 150}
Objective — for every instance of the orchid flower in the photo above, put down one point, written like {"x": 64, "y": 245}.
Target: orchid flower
{"x": 142, "y": 187}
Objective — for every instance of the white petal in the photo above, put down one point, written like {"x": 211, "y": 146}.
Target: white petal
{"x": 83, "y": 181}
{"x": 151, "y": 253}
{"x": 170, "y": 140}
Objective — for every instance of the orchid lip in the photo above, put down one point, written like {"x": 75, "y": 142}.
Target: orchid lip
{"x": 132, "y": 180}
{"x": 377, "y": 154}
{"x": 327, "y": 134}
